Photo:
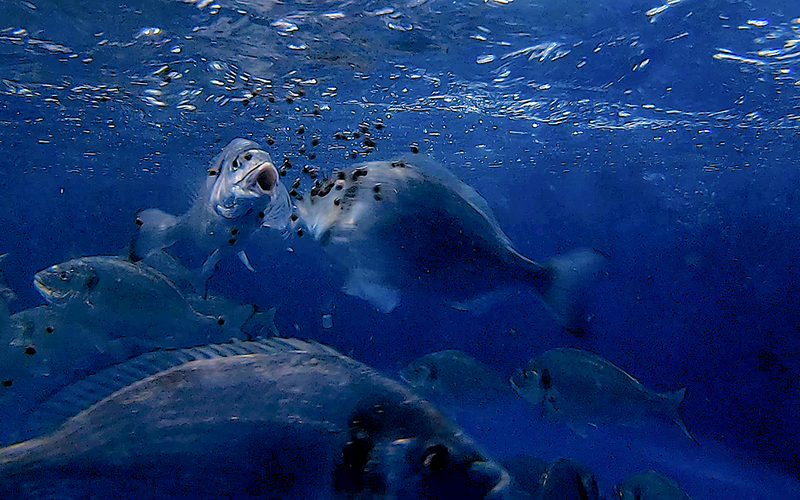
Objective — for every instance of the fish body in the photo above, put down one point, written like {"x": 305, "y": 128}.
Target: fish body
{"x": 566, "y": 479}
{"x": 393, "y": 225}
{"x": 47, "y": 348}
{"x": 111, "y": 291}
{"x": 456, "y": 374}
{"x": 581, "y": 388}
{"x": 649, "y": 485}
{"x": 280, "y": 420}
{"x": 242, "y": 193}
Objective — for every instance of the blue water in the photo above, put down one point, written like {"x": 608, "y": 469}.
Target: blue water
{"x": 667, "y": 141}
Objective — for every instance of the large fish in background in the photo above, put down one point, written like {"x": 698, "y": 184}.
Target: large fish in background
{"x": 270, "y": 419}
{"x": 393, "y": 225}
{"x": 242, "y": 193}
{"x": 105, "y": 310}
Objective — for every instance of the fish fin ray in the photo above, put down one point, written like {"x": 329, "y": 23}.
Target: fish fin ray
{"x": 674, "y": 401}
{"x": 81, "y": 395}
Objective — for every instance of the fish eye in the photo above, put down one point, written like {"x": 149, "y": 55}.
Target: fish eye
{"x": 64, "y": 276}
{"x": 436, "y": 458}
{"x": 248, "y": 156}
{"x": 235, "y": 165}
{"x": 545, "y": 379}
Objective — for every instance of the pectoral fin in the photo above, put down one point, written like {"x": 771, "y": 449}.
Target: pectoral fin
{"x": 246, "y": 261}
{"x": 368, "y": 286}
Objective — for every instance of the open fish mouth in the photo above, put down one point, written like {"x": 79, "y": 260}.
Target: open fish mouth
{"x": 43, "y": 290}
{"x": 261, "y": 180}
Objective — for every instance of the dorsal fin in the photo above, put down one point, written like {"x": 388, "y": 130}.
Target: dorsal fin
{"x": 83, "y": 394}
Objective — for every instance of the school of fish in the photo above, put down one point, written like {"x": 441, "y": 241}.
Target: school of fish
{"x": 133, "y": 381}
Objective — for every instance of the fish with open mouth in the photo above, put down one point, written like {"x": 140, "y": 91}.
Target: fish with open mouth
{"x": 399, "y": 225}
{"x": 272, "y": 418}
{"x": 242, "y": 193}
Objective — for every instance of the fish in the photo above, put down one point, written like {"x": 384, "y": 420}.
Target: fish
{"x": 649, "y": 485}
{"x": 47, "y": 348}
{"x": 566, "y": 479}
{"x": 242, "y": 193}
{"x": 132, "y": 299}
{"x": 401, "y": 226}
{"x": 584, "y": 389}
{"x": 7, "y": 296}
{"x": 456, "y": 374}
{"x": 272, "y": 418}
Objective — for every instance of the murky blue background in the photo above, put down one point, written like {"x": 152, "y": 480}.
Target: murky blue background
{"x": 665, "y": 136}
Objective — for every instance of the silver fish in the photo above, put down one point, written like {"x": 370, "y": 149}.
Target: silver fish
{"x": 649, "y": 485}
{"x": 456, "y": 374}
{"x": 394, "y": 225}
{"x": 277, "y": 419}
{"x": 111, "y": 291}
{"x": 581, "y": 388}
{"x": 242, "y": 193}
{"x": 567, "y": 479}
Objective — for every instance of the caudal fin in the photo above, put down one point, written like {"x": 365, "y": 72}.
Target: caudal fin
{"x": 156, "y": 230}
{"x": 570, "y": 276}
{"x": 674, "y": 401}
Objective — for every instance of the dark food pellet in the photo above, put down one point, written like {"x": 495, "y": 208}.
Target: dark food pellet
{"x": 315, "y": 141}
{"x": 301, "y": 129}
{"x": 287, "y": 163}
{"x": 377, "y": 188}
{"x": 221, "y": 321}
{"x": 261, "y": 215}
{"x": 415, "y": 148}
{"x": 378, "y": 197}
{"x": 312, "y": 155}
{"x": 299, "y": 231}
{"x": 232, "y": 241}
{"x": 234, "y": 230}
{"x": 139, "y": 222}
{"x": 49, "y": 329}
{"x": 7, "y": 382}
{"x": 293, "y": 217}
{"x": 369, "y": 141}
{"x": 30, "y": 350}
{"x": 270, "y": 141}
{"x": 296, "y": 183}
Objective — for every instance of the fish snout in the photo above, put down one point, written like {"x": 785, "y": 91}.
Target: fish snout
{"x": 261, "y": 177}
{"x": 493, "y": 477}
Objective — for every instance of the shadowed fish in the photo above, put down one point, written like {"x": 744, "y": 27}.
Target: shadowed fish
{"x": 394, "y": 226}
{"x": 6, "y": 295}
{"x": 242, "y": 193}
{"x": 275, "y": 418}
{"x": 649, "y": 485}
{"x": 48, "y": 348}
{"x": 456, "y": 374}
{"x": 583, "y": 389}
{"x": 567, "y": 479}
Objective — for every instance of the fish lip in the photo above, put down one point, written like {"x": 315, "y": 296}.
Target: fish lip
{"x": 43, "y": 290}
{"x": 260, "y": 180}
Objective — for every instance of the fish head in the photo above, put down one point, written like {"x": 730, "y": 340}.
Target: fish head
{"x": 72, "y": 280}
{"x": 243, "y": 179}
{"x": 532, "y": 383}
{"x": 412, "y": 452}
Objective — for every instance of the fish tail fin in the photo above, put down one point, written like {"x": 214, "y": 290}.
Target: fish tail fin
{"x": 156, "y": 230}
{"x": 565, "y": 283}
{"x": 674, "y": 401}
